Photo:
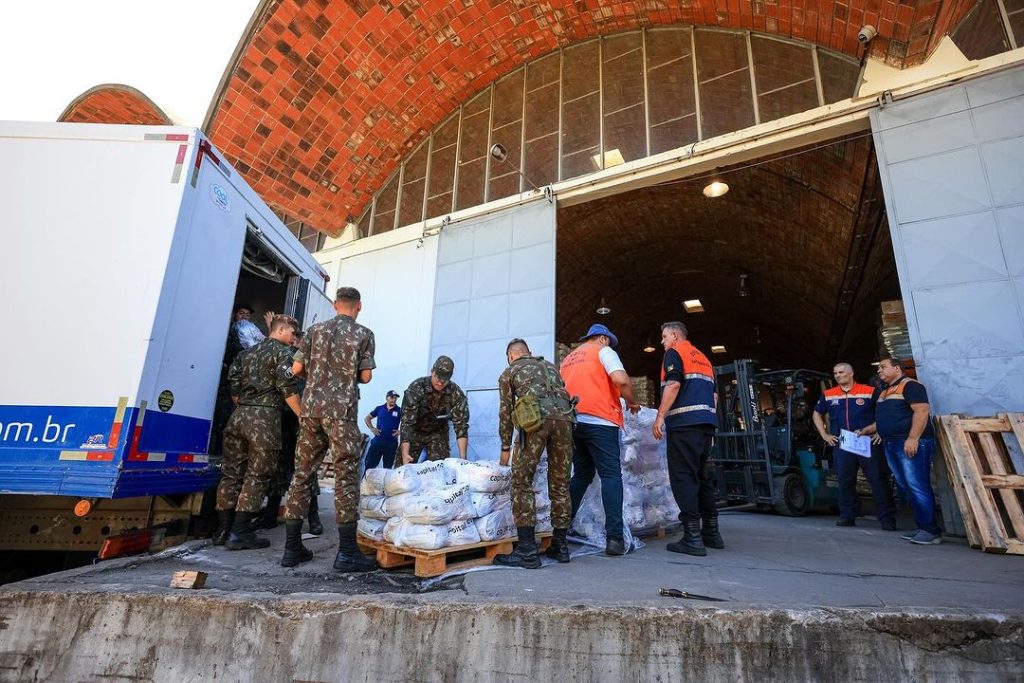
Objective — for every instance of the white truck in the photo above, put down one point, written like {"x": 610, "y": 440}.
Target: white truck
{"x": 124, "y": 249}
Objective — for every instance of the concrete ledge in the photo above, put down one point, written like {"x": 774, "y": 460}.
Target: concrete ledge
{"x": 168, "y": 636}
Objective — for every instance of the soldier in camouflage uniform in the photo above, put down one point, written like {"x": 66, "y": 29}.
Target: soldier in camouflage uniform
{"x": 336, "y": 356}
{"x": 286, "y": 466}
{"x": 429, "y": 404}
{"x": 533, "y": 376}
{"x": 261, "y": 380}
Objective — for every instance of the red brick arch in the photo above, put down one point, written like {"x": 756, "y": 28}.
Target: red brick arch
{"x": 114, "y": 103}
{"x": 324, "y": 97}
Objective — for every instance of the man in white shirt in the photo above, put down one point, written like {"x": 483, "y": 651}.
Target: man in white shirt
{"x": 594, "y": 374}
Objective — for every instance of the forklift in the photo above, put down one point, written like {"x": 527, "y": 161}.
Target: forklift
{"x": 766, "y": 452}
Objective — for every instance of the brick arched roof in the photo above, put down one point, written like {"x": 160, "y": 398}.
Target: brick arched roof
{"x": 324, "y": 97}
{"x": 114, "y": 103}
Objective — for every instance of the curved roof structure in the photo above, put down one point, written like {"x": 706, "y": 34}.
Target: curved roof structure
{"x": 324, "y": 98}
{"x": 114, "y": 103}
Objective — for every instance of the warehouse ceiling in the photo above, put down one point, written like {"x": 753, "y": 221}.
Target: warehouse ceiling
{"x": 807, "y": 230}
{"x": 324, "y": 98}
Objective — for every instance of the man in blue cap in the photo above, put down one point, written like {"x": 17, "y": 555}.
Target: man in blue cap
{"x": 593, "y": 373}
{"x": 385, "y": 435}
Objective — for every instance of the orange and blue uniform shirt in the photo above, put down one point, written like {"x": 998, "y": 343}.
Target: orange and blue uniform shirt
{"x": 894, "y": 415}
{"x": 850, "y": 410}
{"x": 695, "y": 406}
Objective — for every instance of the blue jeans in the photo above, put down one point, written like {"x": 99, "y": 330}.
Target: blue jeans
{"x": 914, "y": 475}
{"x": 381, "y": 448}
{"x": 595, "y": 448}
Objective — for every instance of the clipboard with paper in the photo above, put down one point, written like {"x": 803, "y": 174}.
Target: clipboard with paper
{"x": 852, "y": 443}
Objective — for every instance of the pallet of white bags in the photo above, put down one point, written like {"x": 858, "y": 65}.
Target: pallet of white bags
{"x": 430, "y": 563}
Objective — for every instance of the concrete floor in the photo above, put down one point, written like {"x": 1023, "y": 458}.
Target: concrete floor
{"x": 769, "y": 561}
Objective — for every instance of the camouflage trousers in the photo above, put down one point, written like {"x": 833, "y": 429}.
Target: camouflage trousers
{"x": 316, "y": 435}
{"x": 286, "y": 459}
{"x": 436, "y": 445}
{"x": 252, "y": 441}
{"x": 556, "y": 437}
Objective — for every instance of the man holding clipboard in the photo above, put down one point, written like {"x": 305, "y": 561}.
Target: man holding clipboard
{"x": 850, "y": 406}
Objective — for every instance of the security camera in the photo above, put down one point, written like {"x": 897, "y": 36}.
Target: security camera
{"x": 866, "y": 34}
{"x": 499, "y": 152}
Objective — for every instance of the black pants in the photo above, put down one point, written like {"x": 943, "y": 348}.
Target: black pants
{"x": 689, "y": 473}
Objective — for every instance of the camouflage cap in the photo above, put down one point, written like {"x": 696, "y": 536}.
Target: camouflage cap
{"x": 443, "y": 368}
{"x": 349, "y": 293}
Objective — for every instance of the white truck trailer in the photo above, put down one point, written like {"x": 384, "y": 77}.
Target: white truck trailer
{"x": 124, "y": 249}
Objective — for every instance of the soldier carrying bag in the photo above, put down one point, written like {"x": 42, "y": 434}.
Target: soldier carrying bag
{"x": 527, "y": 413}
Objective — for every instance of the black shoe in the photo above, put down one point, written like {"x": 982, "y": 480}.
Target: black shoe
{"x": 888, "y": 525}
{"x": 243, "y": 536}
{"x": 316, "y": 527}
{"x": 559, "y": 548}
{"x": 691, "y": 543}
{"x": 350, "y": 558}
{"x": 615, "y": 546}
{"x": 525, "y": 553}
{"x": 710, "y": 534}
{"x": 268, "y": 518}
{"x": 294, "y": 552}
{"x": 842, "y": 521}
{"x": 225, "y": 519}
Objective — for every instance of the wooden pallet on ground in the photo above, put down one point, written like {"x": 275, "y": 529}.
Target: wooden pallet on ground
{"x": 428, "y": 563}
{"x": 985, "y": 461}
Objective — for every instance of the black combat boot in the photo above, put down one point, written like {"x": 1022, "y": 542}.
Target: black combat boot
{"x": 525, "y": 554}
{"x": 691, "y": 542}
{"x": 350, "y": 558}
{"x": 243, "y": 536}
{"x": 316, "y": 527}
{"x": 559, "y": 549}
{"x": 225, "y": 518}
{"x": 710, "y": 534}
{"x": 294, "y": 552}
{"x": 268, "y": 518}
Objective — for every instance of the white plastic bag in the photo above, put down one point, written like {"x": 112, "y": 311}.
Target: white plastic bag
{"x": 371, "y": 528}
{"x": 485, "y": 476}
{"x": 439, "y": 507}
{"x": 543, "y": 525}
{"x": 403, "y": 533}
{"x": 373, "y": 482}
{"x": 452, "y": 466}
{"x": 497, "y": 525}
{"x": 394, "y": 506}
{"x": 462, "y": 532}
{"x": 485, "y": 503}
{"x": 413, "y": 477}
{"x": 370, "y": 507}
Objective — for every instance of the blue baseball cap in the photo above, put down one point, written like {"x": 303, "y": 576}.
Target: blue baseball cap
{"x": 600, "y": 329}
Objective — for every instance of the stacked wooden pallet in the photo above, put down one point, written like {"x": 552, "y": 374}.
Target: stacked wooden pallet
{"x": 985, "y": 461}
{"x": 894, "y": 337}
{"x": 428, "y": 563}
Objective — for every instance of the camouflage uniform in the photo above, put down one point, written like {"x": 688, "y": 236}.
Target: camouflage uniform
{"x": 333, "y": 353}
{"x": 261, "y": 378}
{"x": 534, "y": 376}
{"x": 286, "y": 460}
{"x": 426, "y": 413}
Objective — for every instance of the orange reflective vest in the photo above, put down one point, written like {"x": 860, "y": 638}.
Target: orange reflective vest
{"x": 696, "y": 403}
{"x": 586, "y": 378}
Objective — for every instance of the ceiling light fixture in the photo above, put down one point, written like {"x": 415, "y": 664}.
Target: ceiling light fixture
{"x": 693, "y": 306}
{"x": 613, "y": 157}
{"x": 603, "y": 308}
{"x": 716, "y": 188}
{"x": 743, "y": 285}
{"x": 757, "y": 334}
{"x": 718, "y": 349}
{"x": 649, "y": 347}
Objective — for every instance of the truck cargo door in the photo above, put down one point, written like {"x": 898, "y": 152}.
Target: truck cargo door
{"x": 495, "y": 281}
{"x": 313, "y": 305}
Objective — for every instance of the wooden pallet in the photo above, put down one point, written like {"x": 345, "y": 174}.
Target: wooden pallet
{"x": 428, "y": 563}
{"x": 988, "y": 484}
